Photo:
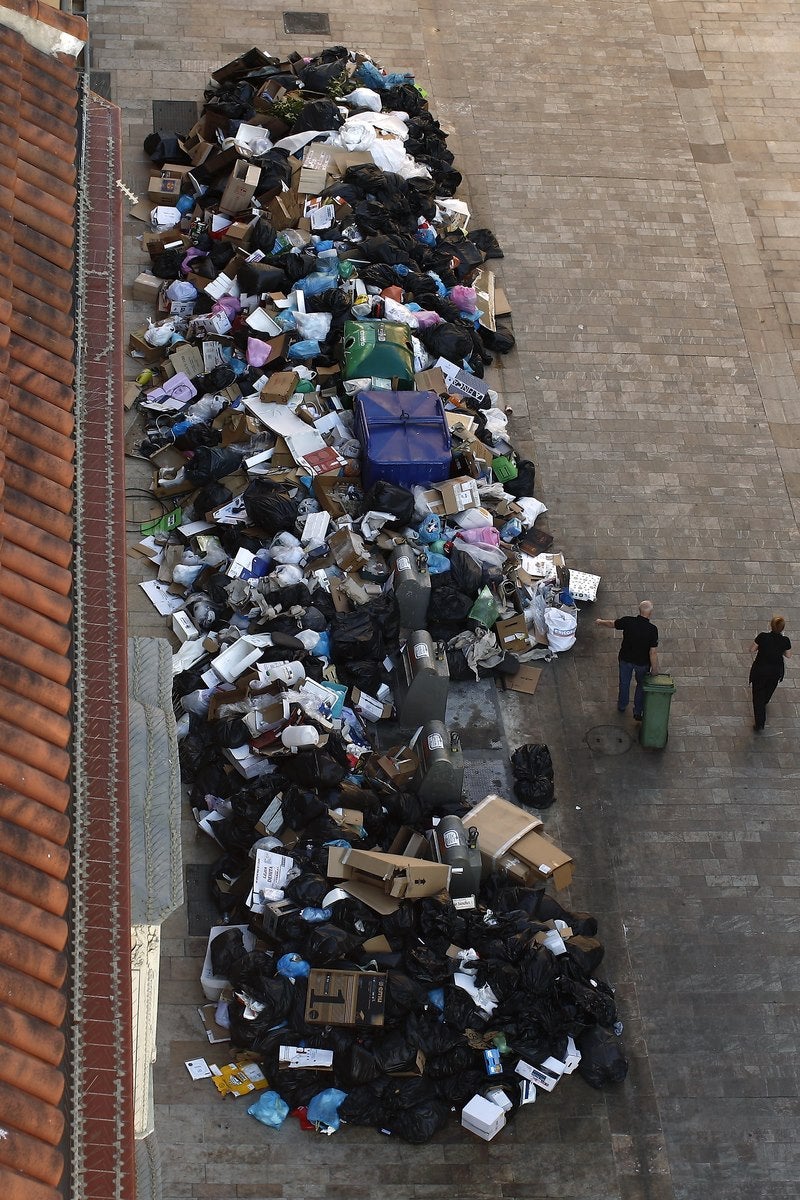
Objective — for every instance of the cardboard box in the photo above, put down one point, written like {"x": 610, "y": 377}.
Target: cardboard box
{"x": 512, "y": 633}
{"x": 166, "y": 187}
{"x": 410, "y": 843}
{"x": 500, "y": 825}
{"x": 393, "y": 874}
{"x": 348, "y": 549}
{"x": 349, "y": 820}
{"x": 142, "y": 349}
{"x": 331, "y": 491}
{"x": 543, "y": 1079}
{"x": 285, "y": 211}
{"x": 272, "y": 918}
{"x": 350, "y": 998}
{"x": 240, "y": 188}
{"x": 482, "y": 1117}
{"x": 459, "y": 494}
{"x": 279, "y": 387}
{"x": 399, "y": 764}
{"x": 368, "y": 708}
{"x": 544, "y": 859}
{"x": 147, "y": 287}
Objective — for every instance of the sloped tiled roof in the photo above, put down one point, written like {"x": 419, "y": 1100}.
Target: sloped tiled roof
{"x": 38, "y": 148}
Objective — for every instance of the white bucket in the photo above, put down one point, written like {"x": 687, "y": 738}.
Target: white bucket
{"x": 561, "y": 625}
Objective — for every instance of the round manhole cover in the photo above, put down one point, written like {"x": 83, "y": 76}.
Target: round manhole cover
{"x": 608, "y": 739}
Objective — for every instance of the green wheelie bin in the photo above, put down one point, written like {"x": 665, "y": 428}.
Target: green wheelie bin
{"x": 658, "y": 693}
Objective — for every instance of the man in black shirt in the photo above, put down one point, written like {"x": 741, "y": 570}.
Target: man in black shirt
{"x": 638, "y": 655}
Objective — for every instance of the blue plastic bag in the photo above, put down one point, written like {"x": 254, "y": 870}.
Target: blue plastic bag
{"x": 436, "y": 997}
{"x": 270, "y": 1110}
{"x": 437, "y": 563}
{"x": 323, "y": 1109}
{"x": 292, "y": 966}
{"x": 430, "y": 529}
{"x": 370, "y": 76}
{"x": 305, "y": 349}
{"x": 316, "y": 282}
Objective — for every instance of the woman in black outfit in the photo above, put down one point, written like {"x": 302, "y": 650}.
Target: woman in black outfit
{"x": 766, "y": 672}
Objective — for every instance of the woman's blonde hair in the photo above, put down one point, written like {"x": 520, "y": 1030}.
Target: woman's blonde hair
{"x": 777, "y": 624}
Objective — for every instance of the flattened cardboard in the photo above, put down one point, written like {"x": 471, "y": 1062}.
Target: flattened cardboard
{"x": 525, "y": 681}
{"x": 512, "y": 634}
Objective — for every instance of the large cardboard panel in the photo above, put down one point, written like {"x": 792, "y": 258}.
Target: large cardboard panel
{"x": 349, "y": 998}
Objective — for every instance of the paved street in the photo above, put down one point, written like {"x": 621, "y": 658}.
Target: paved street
{"x": 637, "y": 162}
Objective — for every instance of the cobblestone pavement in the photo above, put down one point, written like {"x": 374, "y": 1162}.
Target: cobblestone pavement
{"x": 637, "y": 161}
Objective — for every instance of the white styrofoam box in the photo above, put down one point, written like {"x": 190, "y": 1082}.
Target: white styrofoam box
{"x": 211, "y": 984}
{"x": 482, "y": 1117}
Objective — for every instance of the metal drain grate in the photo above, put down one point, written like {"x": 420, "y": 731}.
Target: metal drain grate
{"x": 483, "y": 777}
{"x": 608, "y": 739}
{"x": 175, "y": 116}
{"x": 307, "y": 22}
{"x": 201, "y": 911}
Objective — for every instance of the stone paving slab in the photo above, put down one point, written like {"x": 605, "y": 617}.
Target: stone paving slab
{"x": 637, "y": 160}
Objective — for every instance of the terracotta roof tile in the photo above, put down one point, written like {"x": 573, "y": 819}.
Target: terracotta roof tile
{"x": 38, "y": 94}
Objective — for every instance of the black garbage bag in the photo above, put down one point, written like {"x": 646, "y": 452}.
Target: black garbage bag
{"x": 400, "y": 926}
{"x": 459, "y": 1058}
{"x": 212, "y": 462}
{"x": 389, "y": 249}
{"x": 525, "y": 479}
{"x": 501, "y": 340}
{"x": 486, "y": 241}
{"x": 406, "y": 98}
{"x": 396, "y": 1051}
{"x": 364, "y": 1105}
{"x": 456, "y": 1090}
{"x": 586, "y": 952}
{"x": 298, "y": 1088}
{"x": 234, "y": 101}
{"x": 253, "y": 976}
{"x": 212, "y": 495}
{"x": 163, "y": 146}
{"x": 428, "y": 966}
{"x": 502, "y": 977}
{"x": 391, "y": 498}
{"x": 301, "y": 807}
{"x": 197, "y": 435}
{"x": 363, "y": 673}
{"x": 447, "y": 340}
{"x": 314, "y": 768}
{"x": 378, "y": 275}
{"x": 226, "y": 949}
{"x": 403, "y": 995}
{"x": 591, "y": 1005}
{"x": 318, "y": 114}
{"x": 447, "y": 606}
{"x": 439, "y": 920}
{"x": 327, "y": 944}
{"x": 307, "y": 890}
{"x": 370, "y": 631}
{"x": 356, "y": 917}
{"x": 533, "y": 775}
{"x": 436, "y": 1038}
{"x": 547, "y": 908}
{"x": 269, "y": 507}
{"x": 465, "y": 572}
{"x": 460, "y": 1011}
{"x": 602, "y": 1061}
{"x": 258, "y": 277}
{"x": 354, "y": 1067}
{"x": 262, "y": 236}
{"x": 318, "y": 76}
{"x": 538, "y": 970}
{"x": 167, "y": 264}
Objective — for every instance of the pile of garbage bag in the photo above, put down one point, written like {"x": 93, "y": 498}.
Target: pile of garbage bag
{"x": 342, "y": 507}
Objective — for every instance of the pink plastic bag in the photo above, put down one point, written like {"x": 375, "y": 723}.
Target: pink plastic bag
{"x": 465, "y": 297}
{"x": 257, "y": 352}
{"x": 485, "y": 535}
